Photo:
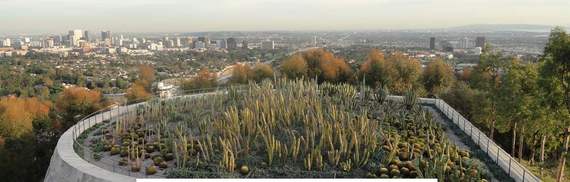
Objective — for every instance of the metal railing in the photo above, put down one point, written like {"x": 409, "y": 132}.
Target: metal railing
{"x": 503, "y": 159}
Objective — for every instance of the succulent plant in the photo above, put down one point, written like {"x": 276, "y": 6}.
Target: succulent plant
{"x": 244, "y": 170}
{"x": 151, "y": 170}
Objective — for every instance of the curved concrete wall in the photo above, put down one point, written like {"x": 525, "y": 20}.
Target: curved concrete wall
{"x": 67, "y": 166}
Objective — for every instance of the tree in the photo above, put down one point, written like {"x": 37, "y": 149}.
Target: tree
{"x": 141, "y": 89}
{"x": 486, "y": 78}
{"x": 76, "y": 102}
{"x": 438, "y": 77}
{"x": 555, "y": 72}
{"x": 241, "y": 73}
{"x": 294, "y": 66}
{"x": 408, "y": 72}
{"x": 204, "y": 79}
{"x": 378, "y": 72}
{"x": 262, "y": 71}
{"x": 137, "y": 92}
{"x": 462, "y": 98}
{"x": 17, "y": 115}
{"x": 319, "y": 64}
{"x": 517, "y": 100}
{"x": 146, "y": 76}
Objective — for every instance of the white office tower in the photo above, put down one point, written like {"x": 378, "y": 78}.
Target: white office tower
{"x": 6, "y": 43}
{"x": 74, "y": 37}
{"x": 465, "y": 43}
{"x": 178, "y": 43}
{"x": 48, "y": 43}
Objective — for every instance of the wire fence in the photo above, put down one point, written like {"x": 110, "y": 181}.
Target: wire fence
{"x": 503, "y": 159}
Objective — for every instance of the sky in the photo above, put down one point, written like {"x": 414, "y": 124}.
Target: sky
{"x": 52, "y": 16}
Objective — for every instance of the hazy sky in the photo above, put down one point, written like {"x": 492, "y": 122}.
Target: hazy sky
{"x": 33, "y": 16}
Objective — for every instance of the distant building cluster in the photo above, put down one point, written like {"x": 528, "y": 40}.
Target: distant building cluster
{"x": 81, "y": 42}
{"x": 464, "y": 45}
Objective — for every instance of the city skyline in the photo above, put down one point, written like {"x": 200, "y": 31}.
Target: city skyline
{"x": 53, "y": 16}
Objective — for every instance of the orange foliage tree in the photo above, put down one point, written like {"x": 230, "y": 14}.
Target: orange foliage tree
{"x": 262, "y": 71}
{"x": 137, "y": 92}
{"x": 241, "y": 73}
{"x": 317, "y": 63}
{"x": 141, "y": 88}
{"x": 376, "y": 70}
{"x": 17, "y": 115}
{"x": 204, "y": 79}
{"x": 407, "y": 73}
{"x": 244, "y": 73}
{"x": 438, "y": 77}
{"x": 294, "y": 66}
{"x": 75, "y": 102}
{"x": 146, "y": 75}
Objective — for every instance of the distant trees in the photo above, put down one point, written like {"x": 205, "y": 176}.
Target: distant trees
{"x": 76, "y": 102}
{"x": 204, "y": 79}
{"x": 438, "y": 77}
{"x": 243, "y": 73}
{"x": 262, "y": 71}
{"x": 376, "y": 71}
{"x": 141, "y": 89}
{"x": 138, "y": 92}
{"x": 294, "y": 67}
{"x": 397, "y": 72}
{"x": 17, "y": 115}
{"x": 319, "y": 64}
{"x": 408, "y": 72}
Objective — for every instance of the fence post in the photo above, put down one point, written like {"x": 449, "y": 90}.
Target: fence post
{"x": 510, "y": 160}
{"x": 488, "y": 145}
{"x": 464, "y": 125}
{"x": 498, "y": 152}
{"x": 524, "y": 173}
{"x": 479, "y": 138}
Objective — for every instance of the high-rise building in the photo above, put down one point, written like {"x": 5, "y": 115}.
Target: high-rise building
{"x": 244, "y": 44}
{"x": 86, "y": 36}
{"x": 49, "y": 42}
{"x": 57, "y": 40}
{"x": 222, "y": 44}
{"x": 107, "y": 38}
{"x": 205, "y": 40}
{"x": 432, "y": 43}
{"x": 268, "y": 45}
{"x": 480, "y": 42}
{"x": 465, "y": 43}
{"x": 74, "y": 37}
{"x": 232, "y": 43}
{"x": 7, "y": 43}
{"x": 178, "y": 42}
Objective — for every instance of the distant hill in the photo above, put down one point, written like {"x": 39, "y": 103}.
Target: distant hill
{"x": 502, "y": 27}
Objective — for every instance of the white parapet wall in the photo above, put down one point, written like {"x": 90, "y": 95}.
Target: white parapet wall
{"x": 67, "y": 166}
